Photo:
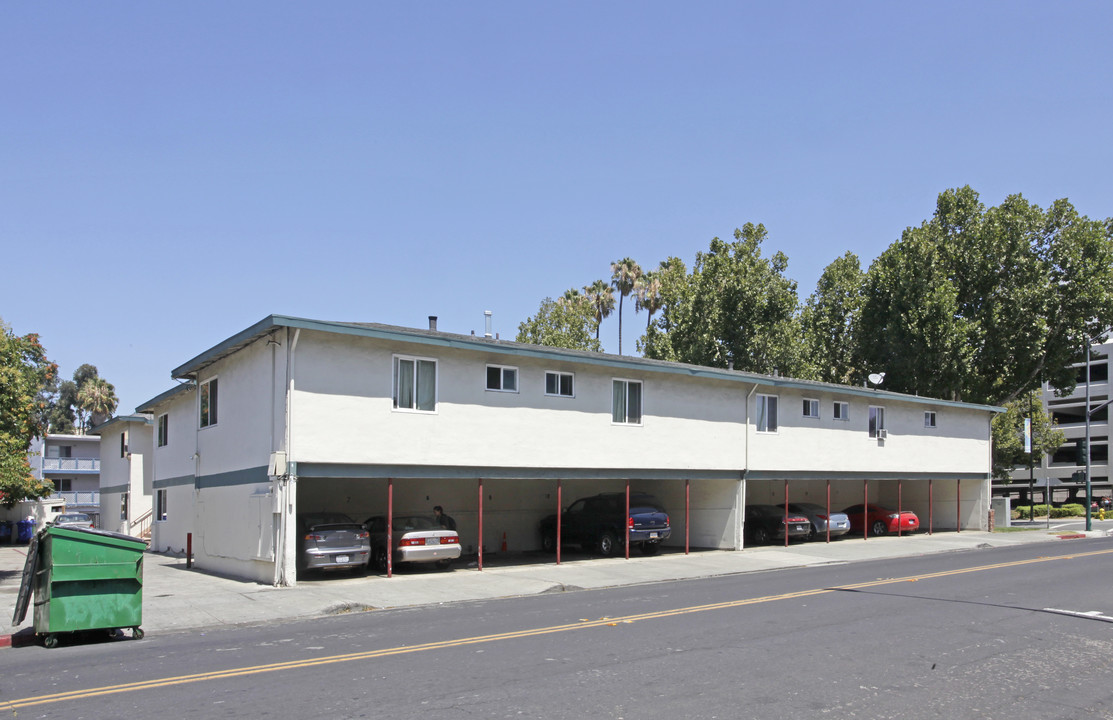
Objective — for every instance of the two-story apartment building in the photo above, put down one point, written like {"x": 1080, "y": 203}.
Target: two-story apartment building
{"x": 295, "y": 415}
{"x": 71, "y": 463}
{"x": 127, "y": 475}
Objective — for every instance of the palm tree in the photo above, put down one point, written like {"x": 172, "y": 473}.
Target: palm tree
{"x": 571, "y": 297}
{"x": 648, "y": 292}
{"x": 624, "y": 274}
{"x": 601, "y": 297}
{"x": 98, "y": 398}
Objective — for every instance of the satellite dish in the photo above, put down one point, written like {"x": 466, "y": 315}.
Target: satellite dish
{"x": 877, "y": 378}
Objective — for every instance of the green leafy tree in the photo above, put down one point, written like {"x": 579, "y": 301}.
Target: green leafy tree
{"x": 1008, "y": 435}
{"x": 24, "y": 372}
{"x": 561, "y": 323}
{"x": 982, "y": 304}
{"x": 829, "y": 322}
{"x": 736, "y": 308}
{"x": 601, "y": 297}
{"x": 624, "y": 277}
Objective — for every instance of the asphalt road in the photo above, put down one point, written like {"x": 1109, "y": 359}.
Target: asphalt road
{"x": 1024, "y": 632}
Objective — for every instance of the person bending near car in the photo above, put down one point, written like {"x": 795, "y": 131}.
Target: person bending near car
{"x": 443, "y": 520}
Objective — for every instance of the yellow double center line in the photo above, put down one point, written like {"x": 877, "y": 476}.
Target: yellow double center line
{"x": 480, "y": 639}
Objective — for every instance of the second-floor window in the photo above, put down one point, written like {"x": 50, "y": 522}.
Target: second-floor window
{"x": 767, "y": 413}
{"x": 502, "y": 378}
{"x": 559, "y": 383}
{"x": 929, "y": 419}
{"x": 163, "y": 429}
{"x": 626, "y": 402}
{"x": 415, "y": 384}
{"x": 842, "y": 411}
{"x": 811, "y": 408}
{"x": 877, "y": 422}
{"x": 208, "y": 399}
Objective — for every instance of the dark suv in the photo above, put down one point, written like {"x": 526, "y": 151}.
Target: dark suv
{"x": 599, "y": 523}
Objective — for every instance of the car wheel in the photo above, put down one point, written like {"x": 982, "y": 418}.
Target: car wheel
{"x": 548, "y": 541}
{"x": 378, "y": 559}
{"x": 444, "y": 564}
{"x": 761, "y": 536}
{"x": 878, "y": 528}
{"x": 606, "y": 544}
{"x": 813, "y": 533}
{"x": 650, "y": 548}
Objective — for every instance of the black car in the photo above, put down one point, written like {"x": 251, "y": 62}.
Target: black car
{"x": 600, "y": 522}
{"x": 765, "y": 523}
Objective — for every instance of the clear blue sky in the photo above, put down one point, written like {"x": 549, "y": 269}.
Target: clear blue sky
{"x": 172, "y": 172}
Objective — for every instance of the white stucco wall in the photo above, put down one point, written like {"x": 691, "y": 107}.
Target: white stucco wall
{"x": 960, "y": 441}
{"x": 342, "y": 413}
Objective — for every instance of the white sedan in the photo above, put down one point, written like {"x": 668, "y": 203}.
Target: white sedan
{"x": 416, "y": 539}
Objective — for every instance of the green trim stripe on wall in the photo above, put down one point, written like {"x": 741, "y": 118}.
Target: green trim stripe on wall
{"x": 174, "y": 482}
{"x": 248, "y": 476}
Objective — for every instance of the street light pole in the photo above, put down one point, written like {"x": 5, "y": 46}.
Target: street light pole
{"x": 1089, "y": 516}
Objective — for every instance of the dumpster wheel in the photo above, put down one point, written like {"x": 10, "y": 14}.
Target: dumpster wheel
{"x": 51, "y": 641}
{"x": 137, "y": 633}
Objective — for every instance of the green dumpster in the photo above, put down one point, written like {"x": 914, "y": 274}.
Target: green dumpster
{"x": 82, "y": 579}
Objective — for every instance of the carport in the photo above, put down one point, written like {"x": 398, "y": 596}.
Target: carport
{"x": 937, "y": 499}
{"x": 499, "y": 509}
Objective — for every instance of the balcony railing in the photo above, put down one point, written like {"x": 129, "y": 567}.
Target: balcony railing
{"x": 78, "y": 498}
{"x": 71, "y": 464}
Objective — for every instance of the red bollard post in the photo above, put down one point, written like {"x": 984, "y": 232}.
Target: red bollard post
{"x": 189, "y": 550}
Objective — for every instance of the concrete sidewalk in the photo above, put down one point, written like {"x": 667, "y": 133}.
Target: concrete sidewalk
{"x": 178, "y": 599}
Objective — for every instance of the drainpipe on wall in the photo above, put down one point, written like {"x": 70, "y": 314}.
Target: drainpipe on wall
{"x": 285, "y": 572}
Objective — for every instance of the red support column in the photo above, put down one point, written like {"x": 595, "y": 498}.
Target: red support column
{"x": 626, "y": 522}
{"x": 865, "y": 509}
{"x": 480, "y": 523}
{"x": 900, "y": 511}
{"x": 784, "y": 520}
{"x": 931, "y": 504}
{"x": 687, "y": 514}
{"x": 560, "y": 509}
{"x": 828, "y": 511}
{"x": 389, "y": 527}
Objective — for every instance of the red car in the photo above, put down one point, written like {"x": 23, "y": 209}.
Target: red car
{"x": 881, "y": 520}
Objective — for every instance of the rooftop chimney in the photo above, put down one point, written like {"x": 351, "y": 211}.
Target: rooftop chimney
{"x": 432, "y": 322}
{"x": 487, "y": 315}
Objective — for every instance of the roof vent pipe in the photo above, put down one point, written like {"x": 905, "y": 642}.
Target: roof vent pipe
{"x": 487, "y": 318}
{"x": 432, "y": 322}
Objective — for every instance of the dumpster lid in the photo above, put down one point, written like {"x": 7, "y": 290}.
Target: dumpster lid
{"x": 67, "y": 530}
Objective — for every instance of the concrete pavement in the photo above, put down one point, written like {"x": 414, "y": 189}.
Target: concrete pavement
{"x": 178, "y": 599}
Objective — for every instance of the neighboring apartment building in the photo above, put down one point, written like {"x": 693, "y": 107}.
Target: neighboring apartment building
{"x": 72, "y": 464}
{"x": 127, "y": 475}
{"x": 295, "y": 415}
{"x": 1063, "y": 472}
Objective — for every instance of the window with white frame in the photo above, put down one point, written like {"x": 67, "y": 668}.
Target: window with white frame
{"x": 559, "y": 383}
{"x": 123, "y": 444}
{"x": 163, "y": 430}
{"x": 842, "y": 411}
{"x": 929, "y": 418}
{"x": 877, "y": 422}
{"x": 626, "y": 402}
{"x": 415, "y": 384}
{"x": 767, "y": 413}
{"x": 160, "y": 505}
{"x": 208, "y": 402}
{"x": 811, "y": 408}
{"x": 124, "y": 505}
{"x": 502, "y": 378}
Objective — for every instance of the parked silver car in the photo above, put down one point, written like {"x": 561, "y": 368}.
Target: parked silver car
{"x": 416, "y": 539}
{"x": 73, "y": 519}
{"x": 331, "y": 541}
{"x": 817, "y": 514}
